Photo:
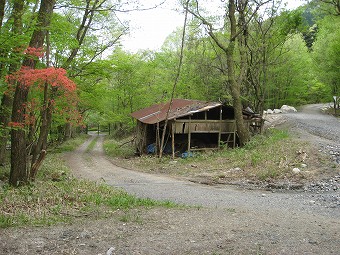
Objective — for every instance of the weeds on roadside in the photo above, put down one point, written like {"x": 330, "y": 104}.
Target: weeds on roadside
{"x": 116, "y": 148}
{"x": 270, "y": 155}
{"x": 260, "y": 158}
{"x": 58, "y": 197}
{"x": 70, "y": 144}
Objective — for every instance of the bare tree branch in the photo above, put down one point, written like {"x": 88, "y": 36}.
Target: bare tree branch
{"x": 111, "y": 8}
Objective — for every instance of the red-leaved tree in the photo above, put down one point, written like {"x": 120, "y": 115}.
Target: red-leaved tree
{"x": 19, "y": 173}
{"x": 51, "y": 92}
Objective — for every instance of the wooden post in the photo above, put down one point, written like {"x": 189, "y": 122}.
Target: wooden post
{"x": 234, "y": 134}
{"x": 173, "y": 139}
{"x": 189, "y": 134}
{"x": 158, "y": 151}
{"x": 220, "y": 128}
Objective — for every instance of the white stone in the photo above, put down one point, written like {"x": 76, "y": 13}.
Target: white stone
{"x": 287, "y": 108}
{"x": 269, "y": 111}
{"x": 296, "y": 170}
{"x": 277, "y": 111}
{"x": 303, "y": 165}
{"x": 110, "y": 251}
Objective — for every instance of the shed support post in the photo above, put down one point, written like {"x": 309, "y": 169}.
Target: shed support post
{"x": 234, "y": 135}
{"x": 220, "y": 128}
{"x": 173, "y": 140}
{"x": 189, "y": 134}
{"x": 157, "y": 140}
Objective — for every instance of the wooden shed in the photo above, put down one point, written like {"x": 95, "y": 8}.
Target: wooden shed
{"x": 192, "y": 125}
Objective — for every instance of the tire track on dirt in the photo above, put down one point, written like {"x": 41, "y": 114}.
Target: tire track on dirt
{"x": 281, "y": 223}
{"x": 99, "y": 168}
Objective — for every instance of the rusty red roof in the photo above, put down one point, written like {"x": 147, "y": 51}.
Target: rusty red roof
{"x": 179, "y": 108}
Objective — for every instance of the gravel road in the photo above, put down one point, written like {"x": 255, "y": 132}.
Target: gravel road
{"x": 228, "y": 220}
{"x": 184, "y": 192}
{"x": 321, "y": 129}
{"x": 311, "y": 119}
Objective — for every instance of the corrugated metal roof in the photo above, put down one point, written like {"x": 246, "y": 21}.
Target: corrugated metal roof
{"x": 179, "y": 108}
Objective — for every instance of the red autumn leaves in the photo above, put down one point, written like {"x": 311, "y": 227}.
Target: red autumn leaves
{"x": 56, "y": 77}
{"x": 62, "y": 91}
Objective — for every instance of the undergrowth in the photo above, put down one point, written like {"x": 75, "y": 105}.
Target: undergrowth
{"x": 265, "y": 156}
{"x": 270, "y": 155}
{"x": 56, "y": 196}
{"x": 122, "y": 148}
{"x": 70, "y": 144}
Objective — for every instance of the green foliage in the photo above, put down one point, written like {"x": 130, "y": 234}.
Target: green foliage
{"x": 280, "y": 65}
{"x": 62, "y": 37}
{"x": 289, "y": 82}
{"x": 290, "y": 22}
{"x": 326, "y": 54}
{"x": 319, "y": 93}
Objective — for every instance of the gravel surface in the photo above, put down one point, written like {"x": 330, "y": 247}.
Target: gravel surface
{"x": 321, "y": 129}
{"x": 225, "y": 219}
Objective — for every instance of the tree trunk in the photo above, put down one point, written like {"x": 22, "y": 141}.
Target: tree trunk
{"x": 2, "y": 11}
{"x": 40, "y": 149}
{"x": 229, "y": 49}
{"x": 19, "y": 174}
{"x": 7, "y": 99}
{"x": 235, "y": 86}
{"x": 67, "y": 131}
{"x": 6, "y": 104}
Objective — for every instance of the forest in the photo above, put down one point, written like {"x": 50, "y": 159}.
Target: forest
{"x": 63, "y": 68}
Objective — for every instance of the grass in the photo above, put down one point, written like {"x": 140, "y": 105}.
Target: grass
{"x": 58, "y": 197}
{"x": 262, "y": 157}
{"x": 70, "y": 144}
{"x": 92, "y": 144}
{"x": 268, "y": 156}
{"x": 115, "y": 148}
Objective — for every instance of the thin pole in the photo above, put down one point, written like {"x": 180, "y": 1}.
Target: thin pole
{"x": 176, "y": 79}
{"x": 173, "y": 140}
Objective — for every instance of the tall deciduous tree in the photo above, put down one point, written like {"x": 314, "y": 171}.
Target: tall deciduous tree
{"x": 2, "y": 11}
{"x": 266, "y": 50}
{"x": 326, "y": 52}
{"x": 239, "y": 14}
{"x": 19, "y": 172}
{"x": 9, "y": 67}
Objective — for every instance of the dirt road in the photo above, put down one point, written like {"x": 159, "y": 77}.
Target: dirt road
{"x": 228, "y": 220}
{"x": 97, "y": 167}
{"x": 311, "y": 119}
{"x": 321, "y": 129}
{"x": 261, "y": 221}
